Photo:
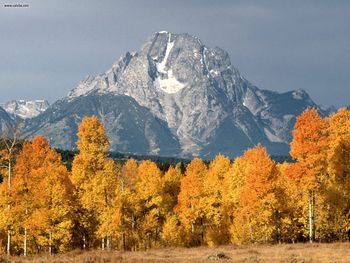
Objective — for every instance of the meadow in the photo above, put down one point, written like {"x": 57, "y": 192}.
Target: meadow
{"x": 290, "y": 253}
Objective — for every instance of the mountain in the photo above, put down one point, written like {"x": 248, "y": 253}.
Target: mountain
{"x": 25, "y": 109}
{"x": 5, "y": 121}
{"x": 175, "y": 97}
{"x": 130, "y": 127}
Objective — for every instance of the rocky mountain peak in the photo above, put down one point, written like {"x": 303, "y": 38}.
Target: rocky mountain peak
{"x": 182, "y": 98}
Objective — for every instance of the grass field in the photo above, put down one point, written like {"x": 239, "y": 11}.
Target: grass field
{"x": 289, "y": 253}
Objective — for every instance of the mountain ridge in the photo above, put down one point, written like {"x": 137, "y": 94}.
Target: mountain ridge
{"x": 25, "y": 109}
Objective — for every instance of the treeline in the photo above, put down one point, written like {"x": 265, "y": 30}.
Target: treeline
{"x": 163, "y": 162}
{"x": 135, "y": 205}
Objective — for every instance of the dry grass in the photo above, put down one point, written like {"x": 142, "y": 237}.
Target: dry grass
{"x": 289, "y": 253}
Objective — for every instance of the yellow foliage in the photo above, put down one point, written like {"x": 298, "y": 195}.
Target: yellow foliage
{"x": 255, "y": 201}
{"x": 190, "y": 206}
{"x": 41, "y": 195}
{"x": 172, "y": 232}
{"x": 94, "y": 178}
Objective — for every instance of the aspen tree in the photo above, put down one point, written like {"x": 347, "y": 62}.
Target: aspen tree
{"x": 7, "y": 155}
{"x": 213, "y": 184}
{"x": 94, "y": 178}
{"x": 190, "y": 206}
{"x": 309, "y": 147}
{"x": 254, "y": 197}
{"x": 41, "y": 193}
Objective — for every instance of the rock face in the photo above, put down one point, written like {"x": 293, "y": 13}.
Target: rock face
{"x": 5, "y": 122}
{"x": 175, "y": 97}
{"x": 25, "y": 109}
{"x": 130, "y": 127}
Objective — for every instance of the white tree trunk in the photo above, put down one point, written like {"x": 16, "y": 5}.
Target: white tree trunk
{"x": 108, "y": 243}
{"x": 9, "y": 177}
{"x": 50, "y": 245}
{"x": 8, "y": 242}
{"x": 25, "y": 242}
{"x": 10, "y": 146}
{"x": 25, "y": 239}
{"x": 311, "y": 223}
{"x": 84, "y": 242}
{"x": 9, "y": 207}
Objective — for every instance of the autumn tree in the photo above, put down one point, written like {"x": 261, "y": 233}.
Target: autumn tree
{"x": 293, "y": 203}
{"x": 254, "y": 177}
{"x": 41, "y": 198}
{"x": 333, "y": 219}
{"x": 190, "y": 206}
{"x": 9, "y": 148}
{"x": 172, "y": 231}
{"x": 213, "y": 189}
{"x": 125, "y": 215}
{"x": 94, "y": 178}
{"x": 339, "y": 148}
{"x": 309, "y": 147}
{"x": 150, "y": 202}
{"x": 171, "y": 182}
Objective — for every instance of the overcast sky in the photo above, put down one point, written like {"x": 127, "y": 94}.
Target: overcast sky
{"x": 48, "y": 47}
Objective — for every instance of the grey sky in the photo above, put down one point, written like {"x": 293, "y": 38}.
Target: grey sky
{"x": 46, "y": 49}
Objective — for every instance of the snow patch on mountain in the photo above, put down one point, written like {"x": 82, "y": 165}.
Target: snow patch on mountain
{"x": 166, "y": 81}
{"x": 169, "y": 84}
{"x": 161, "y": 66}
